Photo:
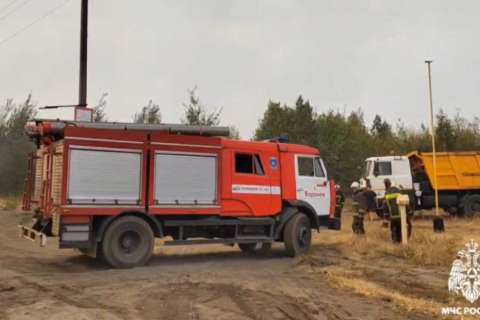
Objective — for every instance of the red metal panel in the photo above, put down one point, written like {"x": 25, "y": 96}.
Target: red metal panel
{"x": 75, "y": 219}
{"x": 97, "y": 210}
{"x": 118, "y": 135}
{"x": 287, "y": 167}
{"x": 333, "y": 198}
{"x": 251, "y": 194}
{"x": 28, "y": 186}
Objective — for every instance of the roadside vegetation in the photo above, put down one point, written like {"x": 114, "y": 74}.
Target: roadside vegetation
{"x": 412, "y": 278}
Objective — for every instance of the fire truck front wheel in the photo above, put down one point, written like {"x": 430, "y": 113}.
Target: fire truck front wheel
{"x": 297, "y": 235}
{"x": 128, "y": 242}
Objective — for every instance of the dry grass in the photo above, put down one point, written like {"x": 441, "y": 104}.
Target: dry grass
{"x": 425, "y": 248}
{"x": 412, "y": 277}
{"x": 10, "y": 202}
{"x": 373, "y": 290}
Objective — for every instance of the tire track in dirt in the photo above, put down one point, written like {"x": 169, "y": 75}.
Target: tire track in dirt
{"x": 64, "y": 294}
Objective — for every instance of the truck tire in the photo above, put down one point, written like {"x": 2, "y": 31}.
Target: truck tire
{"x": 471, "y": 205}
{"x": 297, "y": 235}
{"x": 256, "y": 247}
{"x": 128, "y": 242}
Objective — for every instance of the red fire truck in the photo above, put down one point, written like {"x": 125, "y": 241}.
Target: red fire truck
{"x": 109, "y": 189}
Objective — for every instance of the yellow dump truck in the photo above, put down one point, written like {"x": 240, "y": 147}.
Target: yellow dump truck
{"x": 458, "y": 179}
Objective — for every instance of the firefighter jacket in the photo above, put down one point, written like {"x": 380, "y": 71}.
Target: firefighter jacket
{"x": 391, "y": 196}
{"x": 360, "y": 202}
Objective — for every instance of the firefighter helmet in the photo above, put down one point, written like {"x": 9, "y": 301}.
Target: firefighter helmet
{"x": 355, "y": 185}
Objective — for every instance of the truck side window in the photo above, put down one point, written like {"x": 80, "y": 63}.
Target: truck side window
{"x": 305, "y": 167}
{"x": 319, "y": 169}
{"x": 248, "y": 163}
{"x": 382, "y": 168}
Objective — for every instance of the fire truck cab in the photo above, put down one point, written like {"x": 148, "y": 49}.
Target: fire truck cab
{"x": 110, "y": 189}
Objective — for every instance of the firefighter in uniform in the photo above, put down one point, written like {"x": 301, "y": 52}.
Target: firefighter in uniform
{"x": 360, "y": 207}
{"x": 391, "y": 195}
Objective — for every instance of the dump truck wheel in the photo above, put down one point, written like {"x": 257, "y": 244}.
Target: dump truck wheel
{"x": 471, "y": 205}
{"x": 257, "y": 247}
{"x": 297, "y": 235}
{"x": 128, "y": 242}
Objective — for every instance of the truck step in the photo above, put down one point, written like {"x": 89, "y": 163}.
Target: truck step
{"x": 220, "y": 222}
{"x": 218, "y": 241}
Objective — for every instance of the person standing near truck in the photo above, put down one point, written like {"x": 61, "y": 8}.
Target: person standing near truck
{"x": 391, "y": 195}
{"x": 360, "y": 207}
{"x": 339, "y": 201}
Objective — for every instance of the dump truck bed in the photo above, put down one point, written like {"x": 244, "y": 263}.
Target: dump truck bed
{"x": 455, "y": 170}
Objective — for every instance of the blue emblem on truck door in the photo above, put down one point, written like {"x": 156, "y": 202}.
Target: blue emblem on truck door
{"x": 273, "y": 162}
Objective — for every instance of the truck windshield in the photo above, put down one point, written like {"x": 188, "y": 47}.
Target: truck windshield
{"x": 368, "y": 168}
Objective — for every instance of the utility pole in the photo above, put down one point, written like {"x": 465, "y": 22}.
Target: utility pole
{"x": 82, "y": 96}
{"x": 438, "y": 225}
{"x": 82, "y": 112}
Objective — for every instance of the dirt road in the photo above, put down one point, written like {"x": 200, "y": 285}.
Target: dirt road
{"x": 209, "y": 282}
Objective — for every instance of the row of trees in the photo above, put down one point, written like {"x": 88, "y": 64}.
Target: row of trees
{"x": 346, "y": 140}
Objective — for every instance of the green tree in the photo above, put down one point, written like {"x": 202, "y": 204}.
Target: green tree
{"x": 445, "y": 133}
{"x": 234, "y": 133}
{"x": 149, "y": 114}
{"x": 298, "y": 122}
{"x": 14, "y": 144}
{"x": 99, "y": 114}
{"x": 276, "y": 122}
{"x": 195, "y": 113}
{"x": 383, "y": 139}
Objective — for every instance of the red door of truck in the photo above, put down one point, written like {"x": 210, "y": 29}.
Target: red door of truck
{"x": 254, "y": 188}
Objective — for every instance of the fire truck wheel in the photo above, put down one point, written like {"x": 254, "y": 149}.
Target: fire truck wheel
{"x": 128, "y": 242}
{"x": 297, "y": 235}
{"x": 257, "y": 247}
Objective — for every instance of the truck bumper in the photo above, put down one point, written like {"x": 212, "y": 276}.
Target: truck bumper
{"x": 33, "y": 235}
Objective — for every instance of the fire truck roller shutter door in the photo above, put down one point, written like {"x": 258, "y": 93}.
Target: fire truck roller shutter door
{"x": 185, "y": 179}
{"x": 103, "y": 176}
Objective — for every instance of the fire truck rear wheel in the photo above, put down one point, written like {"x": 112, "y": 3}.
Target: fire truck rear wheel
{"x": 297, "y": 235}
{"x": 256, "y": 247}
{"x": 128, "y": 242}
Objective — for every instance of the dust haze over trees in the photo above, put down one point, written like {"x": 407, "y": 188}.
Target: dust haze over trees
{"x": 346, "y": 140}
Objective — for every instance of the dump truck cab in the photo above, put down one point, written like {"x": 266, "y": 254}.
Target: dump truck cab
{"x": 110, "y": 187}
{"x": 395, "y": 168}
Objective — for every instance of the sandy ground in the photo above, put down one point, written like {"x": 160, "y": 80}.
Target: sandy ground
{"x": 193, "y": 282}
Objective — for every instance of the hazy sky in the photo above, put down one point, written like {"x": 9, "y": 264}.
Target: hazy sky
{"x": 338, "y": 54}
